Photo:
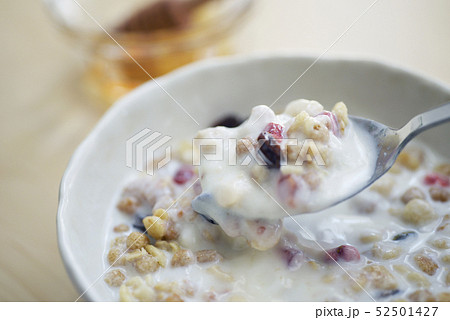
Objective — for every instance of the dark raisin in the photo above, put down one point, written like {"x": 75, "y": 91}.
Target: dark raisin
{"x": 270, "y": 150}
{"x": 403, "y": 235}
{"x": 229, "y": 121}
{"x": 389, "y": 293}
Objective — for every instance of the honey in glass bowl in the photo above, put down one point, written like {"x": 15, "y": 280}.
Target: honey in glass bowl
{"x": 126, "y": 43}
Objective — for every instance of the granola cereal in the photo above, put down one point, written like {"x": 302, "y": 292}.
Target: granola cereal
{"x": 182, "y": 258}
{"x": 418, "y": 212}
{"x": 439, "y": 194}
{"x": 204, "y": 256}
{"x": 146, "y": 264}
{"x": 121, "y": 228}
{"x": 426, "y": 264}
{"x": 392, "y": 240}
{"x": 114, "y": 278}
{"x": 137, "y": 240}
{"x": 412, "y": 193}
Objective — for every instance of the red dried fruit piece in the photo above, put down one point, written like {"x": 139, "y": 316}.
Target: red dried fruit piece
{"x": 348, "y": 253}
{"x": 332, "y": 124}
{"x": 183, "y": 175}
{"x": 331, "y": 255}
{"x": 275, "y": 129}
{"x": 436, "y": 178}
{"x": 344, "y": 252}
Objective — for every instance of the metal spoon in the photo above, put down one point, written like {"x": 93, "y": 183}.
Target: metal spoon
{"x": 389, "y": 143}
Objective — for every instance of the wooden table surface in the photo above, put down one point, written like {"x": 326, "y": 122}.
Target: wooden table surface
{"x": 44, "y": 114}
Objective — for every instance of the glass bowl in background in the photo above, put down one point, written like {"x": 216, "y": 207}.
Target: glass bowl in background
{"x": 160, "y": 35}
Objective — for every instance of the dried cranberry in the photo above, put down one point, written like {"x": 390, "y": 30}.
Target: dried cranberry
{"x": 183, "y": 175}
{"x": 345, "y": 252}
{"x": 348, "y": 253}
{"x": 331, "y": 255}
{"x": 275, "y": 129}
{"x": 436, "y": 178}
{"x": 332, "y": 124}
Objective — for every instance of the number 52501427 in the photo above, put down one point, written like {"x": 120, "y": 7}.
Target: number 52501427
{"x": 406, "y": 311}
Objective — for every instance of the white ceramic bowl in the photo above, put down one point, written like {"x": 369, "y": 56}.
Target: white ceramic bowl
{"x": 97, "y": 171}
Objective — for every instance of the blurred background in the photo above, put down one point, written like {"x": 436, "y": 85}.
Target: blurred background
{"x": 61, "y": 71}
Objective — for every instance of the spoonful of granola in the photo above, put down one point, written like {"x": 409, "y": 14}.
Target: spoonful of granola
{"x": 302, "y": 160}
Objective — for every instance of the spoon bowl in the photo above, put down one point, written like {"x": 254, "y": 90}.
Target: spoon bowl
{"x": 389, "y": 143}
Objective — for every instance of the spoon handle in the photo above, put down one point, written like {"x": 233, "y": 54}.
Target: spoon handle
{"x": 423, "y": 122}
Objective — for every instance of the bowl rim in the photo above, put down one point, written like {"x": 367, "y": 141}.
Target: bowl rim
{"x": 73, "y": 269}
